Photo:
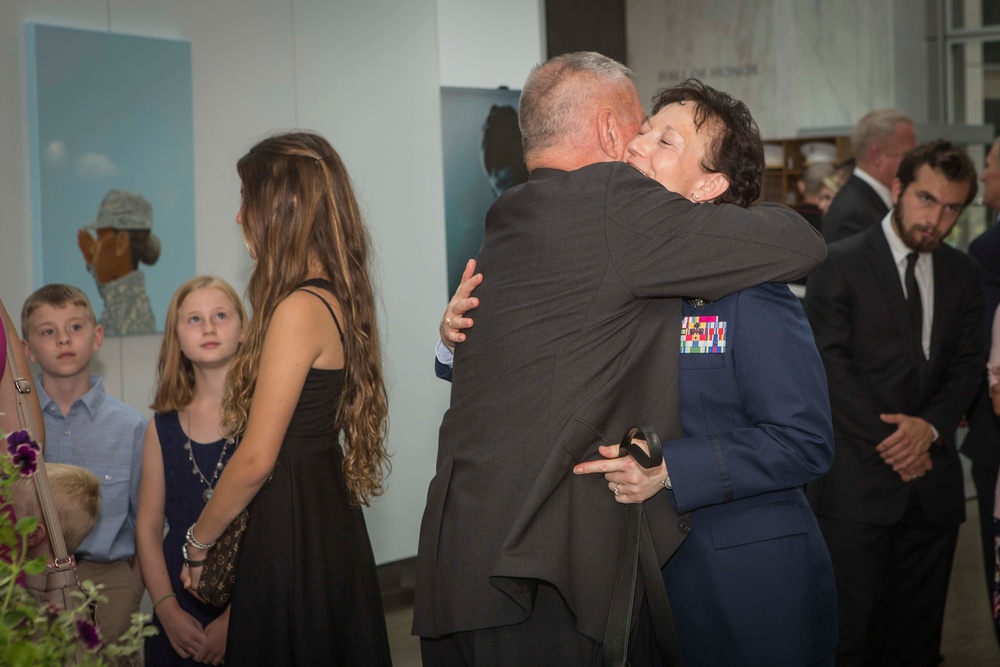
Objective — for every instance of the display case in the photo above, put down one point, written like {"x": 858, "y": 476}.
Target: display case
{"x": 781, "y": 182}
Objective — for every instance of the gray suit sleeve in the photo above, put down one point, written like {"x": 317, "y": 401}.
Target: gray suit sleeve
{"x": 662, "y": 245}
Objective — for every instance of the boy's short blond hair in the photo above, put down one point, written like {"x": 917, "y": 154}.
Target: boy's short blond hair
{"x": 56, "y": 295}
{"x": 76, "y": 493}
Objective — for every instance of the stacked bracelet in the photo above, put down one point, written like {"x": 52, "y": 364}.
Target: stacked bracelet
{"x": 194, "y": 542}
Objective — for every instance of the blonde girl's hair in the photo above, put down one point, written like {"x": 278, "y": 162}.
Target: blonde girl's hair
{"x": 174, "y": 371}
{"x": 298, "y": 204}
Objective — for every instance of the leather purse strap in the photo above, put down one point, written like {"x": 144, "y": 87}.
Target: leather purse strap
{"x": 639, "y": 557}
{"x": 24, "y": 415}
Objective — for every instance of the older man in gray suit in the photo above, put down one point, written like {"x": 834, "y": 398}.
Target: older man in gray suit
{"x": 518, "y": 557}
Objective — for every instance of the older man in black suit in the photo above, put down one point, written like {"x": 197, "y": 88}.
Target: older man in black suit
{"x": 879, "y": 141}
{"x": 518, "y": 557}
{"x": 898, "y": 319}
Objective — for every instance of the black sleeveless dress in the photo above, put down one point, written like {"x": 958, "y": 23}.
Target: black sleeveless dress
{"x": 306, "y": 589}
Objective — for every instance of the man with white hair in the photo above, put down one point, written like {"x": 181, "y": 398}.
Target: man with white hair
{"x": 879, "y": 141}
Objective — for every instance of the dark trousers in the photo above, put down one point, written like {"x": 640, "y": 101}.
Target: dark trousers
{"x": 985, "y": 478}
{"x": 892, "y": 583}
{"x": 547, "y": 638}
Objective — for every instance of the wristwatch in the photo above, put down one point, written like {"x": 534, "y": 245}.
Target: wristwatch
{"x": 188, "y": 561}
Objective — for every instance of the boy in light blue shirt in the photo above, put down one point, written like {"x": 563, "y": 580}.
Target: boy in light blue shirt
{"x": 86, "y": 427}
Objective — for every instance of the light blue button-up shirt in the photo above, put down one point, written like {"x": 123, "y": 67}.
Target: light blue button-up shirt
{"x": 105, "y": 436}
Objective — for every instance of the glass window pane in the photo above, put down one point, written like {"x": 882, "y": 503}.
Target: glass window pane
{"x": 991, "y": 12}
{"x": 974, "y": 13}
{"x": 958, "y": 82}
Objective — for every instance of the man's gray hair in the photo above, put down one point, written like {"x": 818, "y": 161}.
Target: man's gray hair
{"x": 551, "y": 108}
{"x": 875, "y": 129}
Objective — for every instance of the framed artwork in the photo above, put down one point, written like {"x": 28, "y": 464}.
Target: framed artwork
{"x": 112, "y": 170}
{"x": 482, "y": 158}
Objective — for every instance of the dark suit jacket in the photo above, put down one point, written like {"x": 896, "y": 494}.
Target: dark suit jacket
{"x": 752, "y": 584}
{"x": 563, "y": 357}
{"x": 856, "y": 307}
{"x": 855, "y": 208}
{"x": 982, "y": 444}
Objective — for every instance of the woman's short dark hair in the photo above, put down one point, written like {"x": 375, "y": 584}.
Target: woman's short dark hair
{"x": 942, "y": 156}
{"x": 736, "y": 151}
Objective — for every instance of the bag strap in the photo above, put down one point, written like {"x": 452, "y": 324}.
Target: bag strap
{"x": 24, "y": 416}
{"x": 639, "y": 556}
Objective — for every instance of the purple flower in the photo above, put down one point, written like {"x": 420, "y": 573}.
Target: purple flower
{"x": 17, "y": 438}
{"x": 26, "y": 458}
{"x": 88, "y": 634}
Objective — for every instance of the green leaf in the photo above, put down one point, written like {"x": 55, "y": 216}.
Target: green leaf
{"x": 27, "y": 525}
{"x": 36, "y": 566}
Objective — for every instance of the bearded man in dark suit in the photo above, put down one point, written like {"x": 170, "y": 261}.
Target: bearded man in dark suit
{"x": 898, "y": 320}
{"x": 518, "y": 557}
{"x": 879, "y": 141}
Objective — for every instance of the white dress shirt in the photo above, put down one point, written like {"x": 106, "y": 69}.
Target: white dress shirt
{"x": 882, "y": 191}
{"x": 924, "y": 272}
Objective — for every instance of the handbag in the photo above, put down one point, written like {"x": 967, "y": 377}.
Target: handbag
{"x": 59, "y": 580}
{"x": 219, "y": 575}
{"x": 639, "y": 558}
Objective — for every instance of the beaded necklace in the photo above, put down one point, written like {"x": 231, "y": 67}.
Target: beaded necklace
{"x": 195, "y": 470}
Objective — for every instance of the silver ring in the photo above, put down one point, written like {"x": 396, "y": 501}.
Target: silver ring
{"x": 448, "y": 322}
{"x": 618, "y": 490}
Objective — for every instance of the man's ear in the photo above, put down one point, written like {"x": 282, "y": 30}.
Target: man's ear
{"x": 897, "y": 191}
{"x": 609, "y": 134}
{"x": 712, "y": 186}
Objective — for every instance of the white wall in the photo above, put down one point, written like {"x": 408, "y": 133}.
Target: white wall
{"x": 366, "y": 75}
{"x": 488, "y": 44}
{"x": 822, "y": 63}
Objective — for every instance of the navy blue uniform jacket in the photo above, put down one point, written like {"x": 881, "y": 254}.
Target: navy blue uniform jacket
{"x": 752, "y": 584}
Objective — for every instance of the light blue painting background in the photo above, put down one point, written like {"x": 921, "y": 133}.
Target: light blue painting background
{"x": 467, "y": 192}
{"x": 109, "y": 111}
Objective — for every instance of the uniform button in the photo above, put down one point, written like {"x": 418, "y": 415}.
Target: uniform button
{"x": 66, "y": 432}
{"x": 107, "y": 478}
{"x": 685, "y": 527}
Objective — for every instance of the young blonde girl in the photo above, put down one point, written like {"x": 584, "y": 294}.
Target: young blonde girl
{"x": 185, "y": 451}
{"x": 306, "y": 393}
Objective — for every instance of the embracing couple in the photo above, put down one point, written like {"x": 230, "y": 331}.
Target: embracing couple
{"x": 632, "y": 241}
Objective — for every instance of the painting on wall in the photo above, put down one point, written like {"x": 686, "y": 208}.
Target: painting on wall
{"x": 112, "y": 162}
{"x": 482, "y": 158}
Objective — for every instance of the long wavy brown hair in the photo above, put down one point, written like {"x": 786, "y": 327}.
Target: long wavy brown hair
{"x": 298, "y": 204}
{"x": 174, "y": 371}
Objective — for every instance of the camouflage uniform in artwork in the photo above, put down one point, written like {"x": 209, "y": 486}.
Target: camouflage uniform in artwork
{"x": 124, "y": 238}
{"x": 126, "y": 306}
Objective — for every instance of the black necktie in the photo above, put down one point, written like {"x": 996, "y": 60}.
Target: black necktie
{"x": 913, "y": 308}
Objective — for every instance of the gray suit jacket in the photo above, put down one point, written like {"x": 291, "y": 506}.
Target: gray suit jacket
{"x": 565, "y": 355}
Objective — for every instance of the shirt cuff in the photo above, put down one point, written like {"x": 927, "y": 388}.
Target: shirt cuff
{"x": 443, "y": 354}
